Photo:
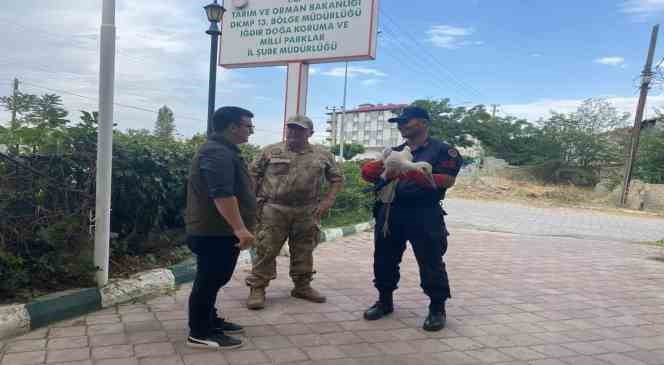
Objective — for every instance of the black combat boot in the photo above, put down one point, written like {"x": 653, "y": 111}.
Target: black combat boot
{"x": 383, "y": 307}
{"x": 436, "y": 319}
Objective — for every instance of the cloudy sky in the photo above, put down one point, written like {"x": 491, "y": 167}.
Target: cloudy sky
{"x": 528, "y": 56}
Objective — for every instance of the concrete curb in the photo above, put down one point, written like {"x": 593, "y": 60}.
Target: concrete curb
{"x": 14, "y": 320}
{"x": 17, "y": 319}
{"x": 142, "y": 284}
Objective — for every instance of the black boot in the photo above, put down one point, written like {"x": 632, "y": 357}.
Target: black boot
{"x": 436, "y": 319}
{"x": 383, "y": 307}
{"x": 377, "y": 311}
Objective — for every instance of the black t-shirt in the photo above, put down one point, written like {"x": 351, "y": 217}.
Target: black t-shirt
{"x": 444, "y": 159}
{"x": 222, "y": 168}
{"x": 218, "y": 171}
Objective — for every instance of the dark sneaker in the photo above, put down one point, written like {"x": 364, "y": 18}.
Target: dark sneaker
{"x": 223, "y": 326}
{"x": 435, "y": 321}
{"x": 214, "y": 341}
{"x": 377, "y": 311}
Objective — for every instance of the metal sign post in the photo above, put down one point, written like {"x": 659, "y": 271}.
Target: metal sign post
{"x": 297, "y": 85}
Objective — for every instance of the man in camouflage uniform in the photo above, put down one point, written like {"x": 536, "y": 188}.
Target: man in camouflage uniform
{"x": 288, "y": 178}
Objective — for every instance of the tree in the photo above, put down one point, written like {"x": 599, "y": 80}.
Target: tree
{"x": 40, "y": 122}
{"x": 249, "y": 151}
{"x": 597, "y": 115}
{"x": 47, "y": 111}
{"x": 584, "y": 136}
{"x": 164, "y": 128}
{"x": 650, "y": 164}
{"x": 451, "y": 123}
{"x": 350, "y": 150}
{"x": 515, "y": 140}
{"x": 21, "y": 104}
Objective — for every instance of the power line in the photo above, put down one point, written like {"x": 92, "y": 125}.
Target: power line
{"x": 128, "y": 106}
{"x": 419, "y": 66}
{"x": 424, "y": 50}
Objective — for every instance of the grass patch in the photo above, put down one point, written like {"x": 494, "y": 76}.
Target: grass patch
{"x": 339, "y": 219}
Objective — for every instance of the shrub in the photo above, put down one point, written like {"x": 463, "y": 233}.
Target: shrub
{"x": 352, "y": 205}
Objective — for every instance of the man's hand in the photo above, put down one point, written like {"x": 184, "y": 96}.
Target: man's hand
{"x": 322, "y": 209}
{"x": 371, "y": 170}
{"x": 245, "y": 237}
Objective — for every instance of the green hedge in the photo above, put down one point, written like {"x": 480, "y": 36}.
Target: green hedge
{"x": 46, "y": 232}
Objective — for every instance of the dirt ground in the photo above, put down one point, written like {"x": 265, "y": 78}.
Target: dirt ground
{"x": 506, "y": 189}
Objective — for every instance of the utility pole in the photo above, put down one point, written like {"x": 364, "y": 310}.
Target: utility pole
{"x": 636, "y": 131}
{"x": 335, "y": 120}
{"x": 15, "y": 97}
{"x": 494, "y": 107}
{"x": 343, "y": 115}
{"x": 333, "y": 126}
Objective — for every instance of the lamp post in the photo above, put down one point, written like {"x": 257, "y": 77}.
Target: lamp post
{"x": 214, "y": 14}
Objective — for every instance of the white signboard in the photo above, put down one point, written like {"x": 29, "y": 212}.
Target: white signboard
{"x": 277, "y": 32}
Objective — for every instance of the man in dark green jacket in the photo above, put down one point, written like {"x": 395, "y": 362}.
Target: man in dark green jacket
{"x": 220, "y": 218}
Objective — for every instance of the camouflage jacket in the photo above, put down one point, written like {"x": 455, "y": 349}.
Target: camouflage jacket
{"x": 293, "y": 178}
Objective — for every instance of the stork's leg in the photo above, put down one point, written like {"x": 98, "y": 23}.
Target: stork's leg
{"x": 431, "y": 180}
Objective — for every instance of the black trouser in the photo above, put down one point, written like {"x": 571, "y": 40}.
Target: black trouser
{"x": 216, "y": 258}
{"x": 424, "y": 228}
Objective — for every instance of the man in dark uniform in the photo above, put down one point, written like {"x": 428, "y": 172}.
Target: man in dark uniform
{"x": 220, "y": 218}
{"x": 414, "y": 215}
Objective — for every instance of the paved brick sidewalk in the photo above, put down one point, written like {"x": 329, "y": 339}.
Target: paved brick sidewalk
{"x": 517, "y": 300}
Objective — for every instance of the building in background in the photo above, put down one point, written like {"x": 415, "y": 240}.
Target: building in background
{"x": 366, "y": 125}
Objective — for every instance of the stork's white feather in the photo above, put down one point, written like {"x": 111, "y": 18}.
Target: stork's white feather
{"x": 399, "y": 162}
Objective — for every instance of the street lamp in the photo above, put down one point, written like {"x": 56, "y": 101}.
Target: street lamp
{"x": 215, "y": 13}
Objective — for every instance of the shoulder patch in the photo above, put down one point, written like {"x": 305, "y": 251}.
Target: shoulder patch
{"x": 453, "y": 153}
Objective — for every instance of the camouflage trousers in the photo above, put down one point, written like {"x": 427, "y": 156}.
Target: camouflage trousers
{"x": 276, "y": 224}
